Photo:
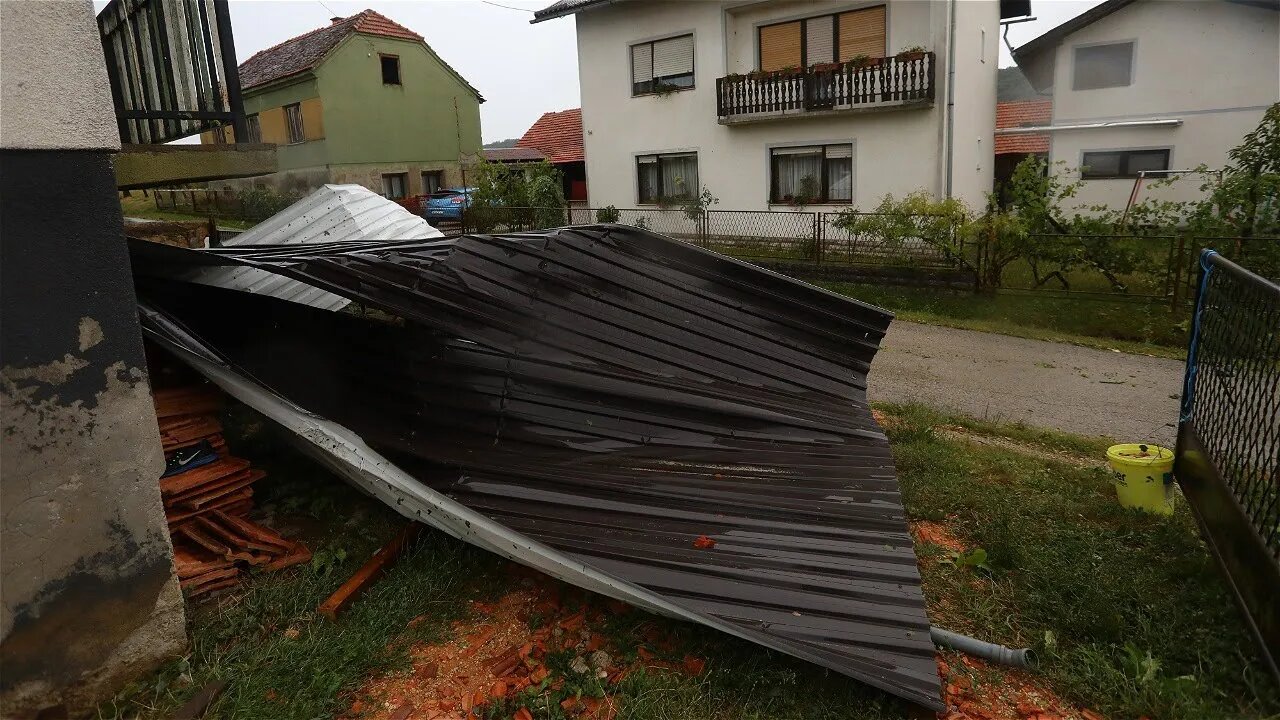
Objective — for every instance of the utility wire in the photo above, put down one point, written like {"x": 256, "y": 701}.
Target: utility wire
{"x": 508, "y": 7}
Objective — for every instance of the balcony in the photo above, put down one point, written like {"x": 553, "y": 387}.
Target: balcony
{"x": 173, "y": 74}
{"x": 875, "y": 84}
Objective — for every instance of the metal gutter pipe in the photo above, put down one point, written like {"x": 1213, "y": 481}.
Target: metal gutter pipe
{"x": 1015, "y": 657}
{"x": 1089, "y": 126}
{"x": 951, "y": 93}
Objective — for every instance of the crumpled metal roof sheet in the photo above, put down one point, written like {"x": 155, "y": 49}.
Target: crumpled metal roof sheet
{"x": 333, "y": 213}
{"x": 614, "y": 394}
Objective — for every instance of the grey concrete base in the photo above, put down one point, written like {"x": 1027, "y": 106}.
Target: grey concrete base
{"x": 88, "y": 597}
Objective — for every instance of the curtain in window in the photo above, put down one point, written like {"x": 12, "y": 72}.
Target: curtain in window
{"x": 839, "y": 173}
{"x": 680, "y": 176}
{"x": 792, "y": 166}
{"x": 647, "y": 172}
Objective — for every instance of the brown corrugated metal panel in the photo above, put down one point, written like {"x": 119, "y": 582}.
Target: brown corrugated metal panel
{"x": 862, "y": 32}
{"x": 780, "y": 46}
{"x": 615, "y": 395}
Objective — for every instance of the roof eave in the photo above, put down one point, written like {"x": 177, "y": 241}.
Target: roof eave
{"x": 279, "y": 82}
{"x": 569, "y": 11}
{"x": 1053, "y": 36}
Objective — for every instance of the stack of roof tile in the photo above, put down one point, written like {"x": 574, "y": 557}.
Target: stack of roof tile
{"x": 206, "y": 504}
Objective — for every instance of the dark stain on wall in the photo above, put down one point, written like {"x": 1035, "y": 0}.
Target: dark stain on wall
{"x": 75, "y": 622}
{"x": 62, "y": 258}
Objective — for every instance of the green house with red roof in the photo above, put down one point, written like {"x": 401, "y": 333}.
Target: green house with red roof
{"x": 362, "y": 100}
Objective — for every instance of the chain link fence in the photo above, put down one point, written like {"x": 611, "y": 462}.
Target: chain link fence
{"x": 1228, "y": 455}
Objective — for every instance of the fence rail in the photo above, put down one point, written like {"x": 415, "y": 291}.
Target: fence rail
{"x": 172, "y": 68}
{"x": 836, "y": 86}
{"x": 1228, "y": 453}
{"x": 758, "y": 235}
{"x": 222, "y": 203}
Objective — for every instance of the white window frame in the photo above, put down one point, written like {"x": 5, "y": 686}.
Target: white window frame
{"x": 1133, "y": 62}
{"x": 650, "y": 42}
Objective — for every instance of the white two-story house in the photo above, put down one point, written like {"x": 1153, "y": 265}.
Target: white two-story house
{"x": 774, "y": 104}
{"x": 1154, "y": 85}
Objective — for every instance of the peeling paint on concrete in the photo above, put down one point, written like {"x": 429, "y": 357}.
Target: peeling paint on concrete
{"x": 90, "y": 333}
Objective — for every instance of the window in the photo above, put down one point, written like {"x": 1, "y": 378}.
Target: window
{"x": 662, "y": 64}
{"x": 390, "y": 69}
{"x": 811, "y": 174}
{"x": 393, "y": 185}
{"x": 667, "y": 177}
{"x": 1103, "y": 66}
{"x": 823, "y": 39}
{"x": 1124, "y": 163}
{"x": 293, "y": 119}
{"x": 431, "y": 181}
{"x": 254, "y": 128}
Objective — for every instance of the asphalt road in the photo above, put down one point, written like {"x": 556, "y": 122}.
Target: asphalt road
{"x": 1131, "y": 398}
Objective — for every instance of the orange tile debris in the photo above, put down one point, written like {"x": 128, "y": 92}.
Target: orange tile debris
{"x": 206, "y": 505}
{"x": 934, "y": 533}
{"x": 976, "y": 690}
{"x": 496, "y": 656}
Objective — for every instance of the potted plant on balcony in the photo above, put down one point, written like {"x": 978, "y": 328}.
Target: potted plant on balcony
{"x": 790, "y": 71}
{"x": 915, "y": 52}
{"x": 825, "y": 67}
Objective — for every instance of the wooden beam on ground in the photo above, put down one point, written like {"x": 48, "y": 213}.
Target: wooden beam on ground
{"x": 368, "y": 573}
{"x": 199, "y": 703}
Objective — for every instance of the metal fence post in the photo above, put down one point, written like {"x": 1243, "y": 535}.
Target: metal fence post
{"x": 819, "y": 219}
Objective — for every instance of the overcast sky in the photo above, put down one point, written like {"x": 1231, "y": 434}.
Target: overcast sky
{"x": 522, "y": 70}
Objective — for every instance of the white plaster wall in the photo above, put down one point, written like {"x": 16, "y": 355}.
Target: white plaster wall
{"x": 977, "y": 54}
{"x": 1188, "y": 56}
{"x": 1201, "y": 139}
{"x": 54, "y": 93}
{"x": 1213, "y": 64}
{"x": 896, "y": 151}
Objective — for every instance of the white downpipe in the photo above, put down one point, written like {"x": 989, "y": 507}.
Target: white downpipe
{"x": 951, "y": 94}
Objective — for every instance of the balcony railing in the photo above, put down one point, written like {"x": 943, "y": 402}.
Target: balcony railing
{"x": 172, "y": 68}
{"x": 906, "y": 79}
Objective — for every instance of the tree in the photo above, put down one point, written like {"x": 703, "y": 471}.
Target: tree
{"x": 523, "y": 196}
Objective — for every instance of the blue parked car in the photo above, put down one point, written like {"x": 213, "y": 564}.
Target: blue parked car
{"x": 446, "y": 205}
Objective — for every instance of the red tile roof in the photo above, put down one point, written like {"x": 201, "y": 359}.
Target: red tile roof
{"x": 513, "y": 154}
{"x": 558, "y": 135}
{"x": 1023, "y": 113}
{"x": 307, "y": 50}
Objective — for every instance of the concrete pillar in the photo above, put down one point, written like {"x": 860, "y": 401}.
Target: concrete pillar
{"x": 89, "y": 598}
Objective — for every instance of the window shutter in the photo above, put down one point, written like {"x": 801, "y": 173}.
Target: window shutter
{"x": 780, "y": 46}
{"x": 673, "y": 57}
{"x": 862, "y": 33}
{"x": 819, "y": 37}
{"x": 839, "y": 151}
{"x": 641, "y": 63}
{"x": 805, "y": 150}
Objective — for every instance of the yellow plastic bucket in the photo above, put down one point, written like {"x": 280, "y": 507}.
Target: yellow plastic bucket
{"x": 1143, "y": 476}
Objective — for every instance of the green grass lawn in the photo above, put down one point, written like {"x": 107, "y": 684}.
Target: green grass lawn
{"x": 1127, "y": 610}
{"x": 1129, "y": 326}
{"x": 145, "y": 207}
